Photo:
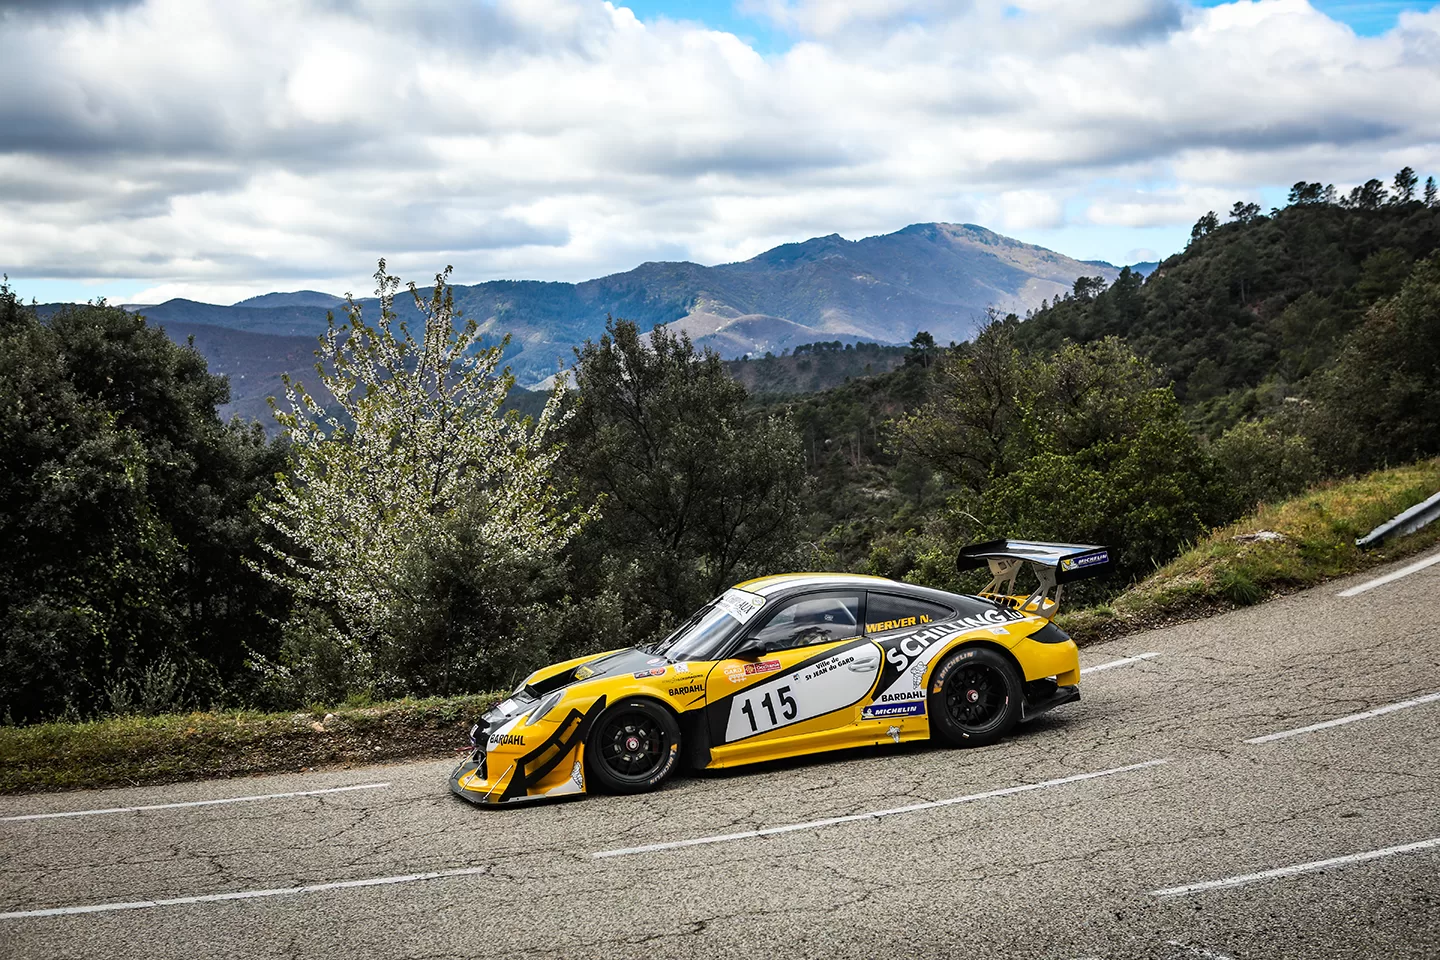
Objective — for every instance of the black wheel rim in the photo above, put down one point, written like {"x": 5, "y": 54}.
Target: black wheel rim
{"x": 975, "y": 696}
{"x": 633, "y": 746}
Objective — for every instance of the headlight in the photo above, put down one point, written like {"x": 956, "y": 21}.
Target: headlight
{"x": 544, "y": 707}
{"x": 501, "y": 712}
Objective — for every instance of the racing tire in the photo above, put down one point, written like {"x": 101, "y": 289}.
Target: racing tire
{"x": 974, "y": 697}
{"x": 634, "y": 747}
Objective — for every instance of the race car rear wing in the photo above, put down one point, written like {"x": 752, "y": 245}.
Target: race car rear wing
{"x": 1054, "y": 565}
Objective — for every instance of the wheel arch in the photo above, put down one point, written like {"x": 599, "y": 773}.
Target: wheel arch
{"x": 982, "y": 642}
{"x": 694, "y": 733}
{"x": 649, "y": 696}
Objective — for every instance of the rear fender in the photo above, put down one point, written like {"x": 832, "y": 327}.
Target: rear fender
{"x": 982, "y": 643}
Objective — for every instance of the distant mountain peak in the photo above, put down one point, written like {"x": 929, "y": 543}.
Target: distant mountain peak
{"x": 299, "y": 298}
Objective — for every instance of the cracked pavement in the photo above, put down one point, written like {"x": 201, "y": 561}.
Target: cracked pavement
{"x": 1057, "y": 873}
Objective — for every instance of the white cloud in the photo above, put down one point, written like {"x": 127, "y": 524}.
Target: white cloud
{"x": 241, "y": 147}
{"x": 1022, "y": 210}
{"x": 1150, "y": 208}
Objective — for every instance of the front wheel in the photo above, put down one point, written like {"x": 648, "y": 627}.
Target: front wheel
{"x": 974, "y": 697}
{"x": 634, "y": 747}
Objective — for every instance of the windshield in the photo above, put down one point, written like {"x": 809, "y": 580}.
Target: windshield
{"x": 700, "y": 636}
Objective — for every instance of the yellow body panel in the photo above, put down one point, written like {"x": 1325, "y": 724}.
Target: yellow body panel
{"x": 734, "y": 677}
{"x": 748, "y": 709}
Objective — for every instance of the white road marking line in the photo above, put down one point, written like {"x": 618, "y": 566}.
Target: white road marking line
{"x": 1298, "y": 868}
{"x": 194, "y": 803}
{"x": 1415, "y": 567}
{"x": 874, "y": 815}
{"x": 1119, "y": 663}
{"x": 1199, "y": 951}
{"x": 245, "y": 894}
{"x": 1377, "y": 712}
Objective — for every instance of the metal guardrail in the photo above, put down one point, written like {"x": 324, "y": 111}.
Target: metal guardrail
{"x": 1407, "y": 522}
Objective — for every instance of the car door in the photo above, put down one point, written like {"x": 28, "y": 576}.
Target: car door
{"x": 909, "y": 631}
{"x": 800, "y": 685}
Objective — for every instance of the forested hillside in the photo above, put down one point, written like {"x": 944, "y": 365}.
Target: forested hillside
{"x": 1294, "y": 345}
{"x": 1255, "y": 305}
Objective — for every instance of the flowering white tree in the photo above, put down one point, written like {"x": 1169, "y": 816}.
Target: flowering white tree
{"x": 407, "y": 438}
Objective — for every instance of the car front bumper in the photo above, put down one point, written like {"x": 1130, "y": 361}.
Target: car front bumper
{"x": 531, "y": 763}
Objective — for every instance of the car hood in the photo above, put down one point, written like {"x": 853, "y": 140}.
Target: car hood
{"x": 629, "y": 661}
{"x": 615, "y": 664}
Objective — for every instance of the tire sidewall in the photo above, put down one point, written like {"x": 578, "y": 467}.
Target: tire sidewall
{"x": 945, "y": 727}
{"x": 596, "y": 768}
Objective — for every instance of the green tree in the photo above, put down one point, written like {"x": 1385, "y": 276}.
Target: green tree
{"x": 1404, "y": 185}
{"x": 1432, "y": 197}
{"x": 1088, "y": 288}
{"x": 922, "y": 349}
{"x": 697, "y": 490}
{"x": 1370, "y": 195}
{"x": 1145, "y": 492}
{"x": 1308, "y": 331}
{"x": 1244, "y": 212}
{"x": 476, "y": 614}
{"x": 1207, "y": 224}
{"x": 404, "y": 460}
{"x": 967, "y": 426}
{"x": 123, "y": 510}
{"x": 1377, "y": 403}
{"x": 1260, "y": 461}
{"x": 1088, "y": 444}
{"x": 1382, "y": 274}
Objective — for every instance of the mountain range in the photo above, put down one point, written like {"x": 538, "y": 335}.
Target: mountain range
{"x": 938, "y": 277}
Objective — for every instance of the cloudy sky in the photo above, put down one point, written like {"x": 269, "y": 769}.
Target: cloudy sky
{"x": 217, "y": 150}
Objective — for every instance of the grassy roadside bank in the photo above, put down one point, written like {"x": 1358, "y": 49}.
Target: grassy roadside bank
{"x": 1231, "y": 568}
{"x": 129, "y": 751}
{"x": 1281, "y": 548}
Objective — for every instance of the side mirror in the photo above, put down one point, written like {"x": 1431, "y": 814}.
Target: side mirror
{"x": 752, "y": 647}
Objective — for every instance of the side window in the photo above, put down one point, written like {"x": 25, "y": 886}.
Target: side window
{"x": 886, "y": 611}
{"x": 807, "y": 620}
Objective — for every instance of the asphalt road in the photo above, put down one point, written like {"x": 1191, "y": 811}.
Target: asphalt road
{"x": 1069, "y": 869}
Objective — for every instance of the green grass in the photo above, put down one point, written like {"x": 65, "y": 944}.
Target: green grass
{"x": 127, "y": 751}
{"x": 1319, "y": 529}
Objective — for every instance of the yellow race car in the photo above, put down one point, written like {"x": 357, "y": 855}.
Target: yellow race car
{"x": 789, "y": 665}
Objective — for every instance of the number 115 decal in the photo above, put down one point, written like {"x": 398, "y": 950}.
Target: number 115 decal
{"x": 810, "y": 690}
{"x": 788, "y": 709}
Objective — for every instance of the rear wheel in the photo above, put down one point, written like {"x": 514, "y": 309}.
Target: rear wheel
{"x": 633, "y": 747}
{"x": 974, "y": 697}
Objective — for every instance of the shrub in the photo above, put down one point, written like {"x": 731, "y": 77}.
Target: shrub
{"x": 1260, "y": 463}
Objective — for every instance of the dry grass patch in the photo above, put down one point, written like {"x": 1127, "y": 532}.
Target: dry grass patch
{"x": 129, "y": 751}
